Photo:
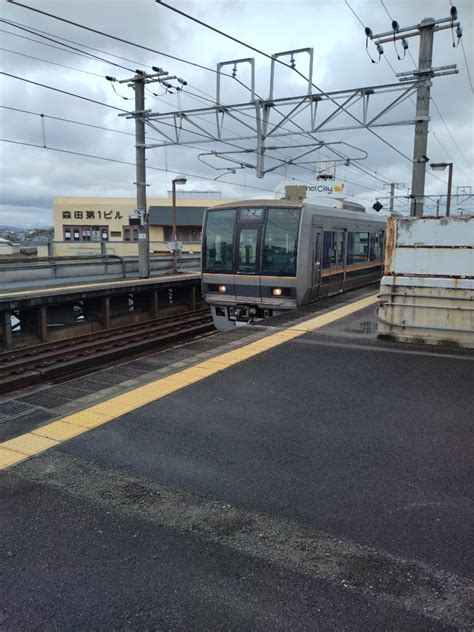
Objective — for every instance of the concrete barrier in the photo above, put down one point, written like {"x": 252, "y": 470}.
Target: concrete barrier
{"x": 427, "y": 291}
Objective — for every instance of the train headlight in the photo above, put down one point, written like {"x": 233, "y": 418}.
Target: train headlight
{"x": 277, "y": 291}
{"x": 222, "y": 288}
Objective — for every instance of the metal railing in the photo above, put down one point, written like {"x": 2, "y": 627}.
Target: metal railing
{"x": 36, "y": 272}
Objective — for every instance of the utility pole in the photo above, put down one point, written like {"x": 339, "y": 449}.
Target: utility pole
{"x": 392, "y": 186}
{"x": 138, "y": 82}
{"x": 425, "y": 58}
{"x": 424, "y": 73}
{"x": 143, "y": 231}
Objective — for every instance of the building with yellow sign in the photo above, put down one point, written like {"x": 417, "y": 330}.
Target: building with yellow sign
{"x": 82, "y": 224}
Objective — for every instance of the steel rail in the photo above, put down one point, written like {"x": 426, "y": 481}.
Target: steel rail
{"x": 59, "y": 362}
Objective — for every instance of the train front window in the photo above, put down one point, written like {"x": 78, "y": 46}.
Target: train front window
{"x": 280, "y": 243}
{"x": 248, "y": 240}
{"x": 218, "y": 240}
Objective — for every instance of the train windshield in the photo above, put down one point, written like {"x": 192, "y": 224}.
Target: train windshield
{"x": 280, "y": 242}
{"x": 218, "y": 244}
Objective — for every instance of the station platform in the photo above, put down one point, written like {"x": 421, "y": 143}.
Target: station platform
{"x": 299, "y": 474}
{"x": 84, "y": 288}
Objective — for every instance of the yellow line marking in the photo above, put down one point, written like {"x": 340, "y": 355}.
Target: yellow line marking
{"x": 55, "y": 433}
{"x": 59, "y": 430}
{"x": 29, "y": 444}
{"x": 9, "y": 457}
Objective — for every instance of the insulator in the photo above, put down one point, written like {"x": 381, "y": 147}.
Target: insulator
{"x": 458, "y": 31}
{"x": 379, "y": 48}
{"x": 454, "y": 13}
{"x": 368, "y": 31}
{"x": 395, "y": 26}
{"x": 292, "y": 62}
{"x": 404, "y": 44}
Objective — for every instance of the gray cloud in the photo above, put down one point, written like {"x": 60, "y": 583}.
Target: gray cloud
{"x": 32, "y": 177}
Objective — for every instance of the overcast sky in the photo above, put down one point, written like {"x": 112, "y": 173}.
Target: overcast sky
{"x": 32, "y": 176}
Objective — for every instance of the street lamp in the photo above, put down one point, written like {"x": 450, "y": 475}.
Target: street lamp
{"x": 174, "y": 182}
{"x": 441, "y": 166}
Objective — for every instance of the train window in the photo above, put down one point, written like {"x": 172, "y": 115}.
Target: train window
{"x": 249, "y": 214}
{"x": 280, "y": 243}
{"x": 327, "y": 249}
{"x": 338, "y": 248}
{"x": 248, "y": 240}
{"x": 218, "y": 246}
{"x": 317, "y": 248}
{"x": 375, "y": 246}
{"x": 357, "y": 247}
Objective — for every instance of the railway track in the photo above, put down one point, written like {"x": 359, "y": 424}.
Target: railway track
{"x": 26, "y": 366}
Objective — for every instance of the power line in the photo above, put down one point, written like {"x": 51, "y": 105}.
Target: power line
{"x": 234, "y": 39}
{"x": 355, "y": 14}
{"x": 71, "y": 94}
{"x": 46, "y": 61}
{"x": 124, "y": 162}
{"x": 29, "y": 39}
{"x": 66, "y": 39}
{"x": 467, "y": 66}
{"x": 436, "y": 106}
{"x": 114, "y": 37}
{"x": 133, "y": 44}
{"x": 78, "y": 96}
{"x": 394, "y": 72}
{"x": 158, "y": 52}
{"x": 36, "y": 10}
{"x": 82, "y": 53}
{"x": 67, "y": 46}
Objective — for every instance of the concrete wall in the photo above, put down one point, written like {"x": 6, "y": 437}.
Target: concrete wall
{"x": 427, "y": 292}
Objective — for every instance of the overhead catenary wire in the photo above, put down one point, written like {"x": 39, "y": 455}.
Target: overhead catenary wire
{"x": 114, "y": 37}
{"x": 108, "y": 106}
{"x": 279, "y": 61}
{"x": 76, "y": 51}
{"x": 67, "y": 92}
{"x": 159, "y": 52}
{"x": 66, "y": 46}
{"x": 436, "y": 107}
{"x": 70, "y": 41}
{"x": 35, "y": 9}
{"x": 152, "y": 50}
{"x": 393, "y": 70}
{"x": 125, "y": 162}
{"x": 54, "y": 63}
{"x": 104, "y": 60}
{"x": 446, "y": 126}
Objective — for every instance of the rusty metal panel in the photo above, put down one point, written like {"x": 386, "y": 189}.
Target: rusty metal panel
{"x": 447, "y": 262}
{"x": 427, "y": 293}
{"x": 433, "y": 311}
{"x": 390, "y": 241}
{"x": 455, "y": 232}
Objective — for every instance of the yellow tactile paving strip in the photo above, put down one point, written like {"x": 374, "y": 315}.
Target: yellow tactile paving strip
{"x": 56, "y": 432}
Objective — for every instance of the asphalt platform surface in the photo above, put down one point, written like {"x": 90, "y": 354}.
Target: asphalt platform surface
{"x": 322, "y": 485}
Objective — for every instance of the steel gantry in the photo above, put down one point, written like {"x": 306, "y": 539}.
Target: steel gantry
{"x": 259, "y": 122}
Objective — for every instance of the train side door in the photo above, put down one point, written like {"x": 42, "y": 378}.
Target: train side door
{"x": 337, "y": 260}
{"x": 316, "y": 259}
{"x": 247, "y": 262}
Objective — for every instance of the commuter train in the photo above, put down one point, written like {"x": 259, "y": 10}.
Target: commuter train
{"x": 263, "y": 257}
